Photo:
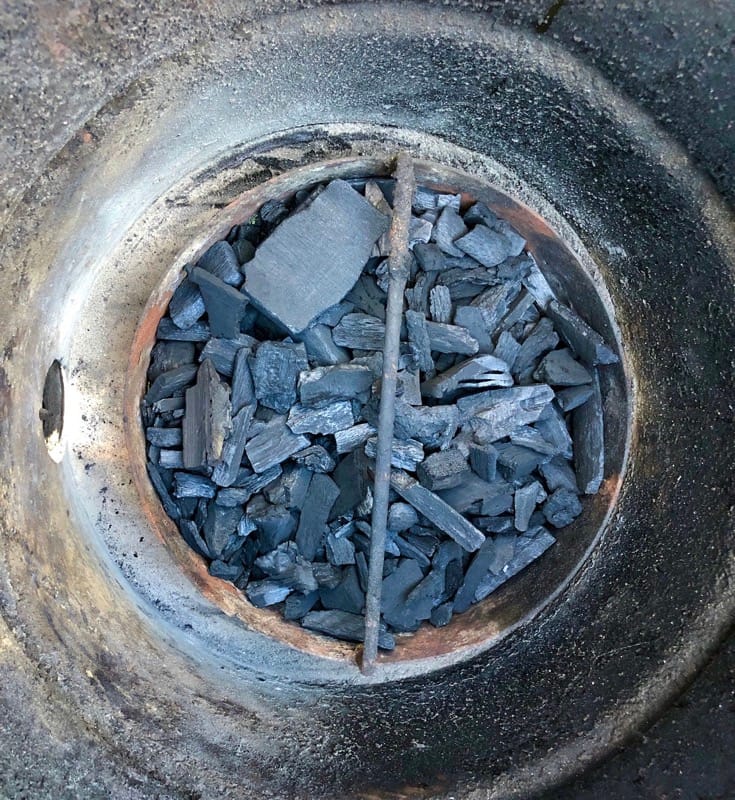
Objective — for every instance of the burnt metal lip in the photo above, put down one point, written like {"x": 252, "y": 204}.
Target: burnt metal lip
{"x": 517, "y": 602}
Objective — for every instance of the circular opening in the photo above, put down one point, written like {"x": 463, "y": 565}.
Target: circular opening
{"x": 520, "y": 597}
{"x": 52, "y": 410}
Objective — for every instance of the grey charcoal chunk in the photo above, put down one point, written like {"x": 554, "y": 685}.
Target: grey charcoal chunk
{"x": 320, "y": 347}
{"x": 526, "y": 436}
{"x": 166, "y": 356}
{"x": 484, "y": 461}
{"x": 316, "y": 458}
{"x": 169, "y": 404}
{"x": 409, "y": 387}
{"x": 340, "y": 550}
{"x": 498, "y": 412}
{"x": 557, "y": 474}
{"x": 517, "y": 311}
{"x": 525, "y": 501}
{"x": 401, "y": 516}
{"x": 515, "y": 240}
{"x": 164, "y": 437}
{"x": 169, "y": 506}
{"x": 273, "y": 445}
{"x": 433, "y": 426}
{"x": 478, "y": 569}
{"x": 441, "y": 514}
{"x": 559, "y": 368}
{"x": 440, "y": 304}
{"x": 476, "y": 373}
{"x": 188, "y": 485}
{"x": 266, "y": 593}
{"x": 404, "y": 454}
{"x": 367, "y": 297}
{"x": 471, "y": 491}
{"x": 480, "y": 214}
{"x": 276, "y": 369}
{"x": 315, "y": 255}
{"x": 424, "y": 199}
{"x": 505, "y": 547}
{"x": 222, "y": 352}
{"x": 243, "y": 389}
{"x": 443, "y": 470}
{"x": 396, "y": 588}
{"x": 448, "y": 228}
{"x": 315, "y": 512}
{"x": 430, "y": 258}
{"x": 240, "y": 494}
{"x": 418, "y": 297}
{"x": 441, "y": 615}
{"x": 219, "y": 525}
{"x": 226, "y": 470}
{"x": 327, "y": 574}
{"x": 516, "y": 463}
{"x": 586, "y": 343}
{"x": 207, "y": 419}
{"x": 228, "y": 572}
{"x": 168, "y": 383}
{"x": 475, "y": 321}
{"x": 244, "y": 251}
{"x": 168, "y": 331}
{"x": 507, "y": 348}
{"x": 291, "y": 488}
{"x": 186, "y": 305}
{"x": 451, "y": 339}
{"x": 171, "y": 459}
{"x": 190, "y": 534}
{"x": 562, "y": 508}
{"x": 341, "y": 625}
{"x": 486, "y": 246}
{"x": 341, "y": 382}
{"x": 350, "y": 438}
{"x": 498, "y": 499}
{"x": 589, "y": 441}
{"x": 542, "y": 338}
{"x": 553, "y": 427}
{"x": 329, "y": 418}
{"x": 275, "y": 525}
{"x": 418, "y": 337}
{"x": 352, "y": 478}
{"x": 225, "y": 305}
{"x": 493, "y": 304}
{"x": 573, "y": 397}
{"x": 419, "y": 232}
{"x": 496, "y": 524}
{"x": 334, "y": 313}
{"x": 538, "y": 286}
{"x": 297, "y": 605}
{"x": 467, "y": 283}
{"x": 375, "y": 196}
{"x": 223, "y": 263}
{"x": 346, "y": 595}
{"x": 359, "y": 332}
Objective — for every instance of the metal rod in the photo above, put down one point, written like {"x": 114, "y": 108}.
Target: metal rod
{"x": 398, "y": 270}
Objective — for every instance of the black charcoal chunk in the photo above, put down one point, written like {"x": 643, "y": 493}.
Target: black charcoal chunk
{"x": 340, "y": 550}
{"x": 505, "y": 547}
{"x": 430, "y": 258}
{"x": 487, "y": 246}
{"x": 507, "y": 348}
{"x": 328, "y": 418}
{"x": 419, "y": 602}
{"x": 169, "y": 506}
{"x": 525, "y": 501}
{"x": 266, "y": 593}
{"x": 487, "y": 310}
{"x": 334, "y": 313}
{"x": 297, "y": 605}
{"x": 418, "y": 337}
{"x": 245, "y": 489}
{"x": 341, "y": 382}
{"x": 223, "y": 352}
{"x": 401, "y": 516}
{"x": 559, "y": 368}
{"x": 168, "y": 383}
{"x": 315, "y": 458}
{"x": 451, "y": 339}
{"x": 418, "y": 296}
{"x": 484, "y": 461}
{"x": 219, "y": 525}
{"x": 396, "y": 588}
{"x": 475, "y": 321}
{"x": 552, "y": 426}
{"x": 471, "y": 492}
{"x": 320, "y": 347}
{"x": 409, "y": 387}
{"x": 442, "y": 515}
{"x": 186, "y": 305}
{"x": 244, "y": 252}
{"x": 275, "y": 371}
{"x": 228, "y": 572}
{"x": 226, "y": 470}
{"x": 169, "y": 404}
{"x": 223, "y": 263}
{"x": 273, "y": 212}
{"x": 478, "y": 569}
{"x": 374, "y": 195}
{"x": 467, "y": 283}
{"x": 350, "y": 438}
{"x": 537, "y": 286}
{"x": 516, "y": 463}
{"x": 573, "y": 397}
{"x": 225, "y": 305}
{"x": 557, "y": 474}
{"x": 367, "y": 297}
{"x": 275, "y": 525}
{"x": 586, "y": 343}
{"x": 526, "y": 436}
{"x": 495, "y": 525}
{"x": 315, "y": 512}
{"x": 207, "y": 420}
{"x": 243, "y": 389}
{"x": 517, "y": 311}
{"x": 291, "y": 487}
{"x": 419, "y": 232}
{"x": 273, "y": 445}
{"x": 315, "y": 256}
{"x": 326, "y": 574}
{"x": 166, "y": 356}
{"x": 497, "y": 499}
{"x": 190, "y": 534}
{"x": 404, "y": 454}
{"x": 359, "y": 332}
{"x": 480, "y": 214}
{"x": 188, "y": 485}
{"x": 498, "y": 412}
{"x": 171, "y": 459}
{"x": 341, "y": 625}
{"x": 589, "y": 441}
{"x": 346, "y": 596}
{"x": 443, "y": 470}
{"x": 440, "y": 304}
{"x": 441, "y": 615}
{"x": 562, "y": 508}
{"x": 542, "y": 338}
{"x": 448, "y": 228}
{"x": 164, "y": 437}
{"x": 352, "y": 479}
{"x": 433, "y": 426}
{"x": 475, "y": 373}
{"x": 168, "y": 331}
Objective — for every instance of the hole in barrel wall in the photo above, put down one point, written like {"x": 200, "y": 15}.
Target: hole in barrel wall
{"x": 51, "y": 413}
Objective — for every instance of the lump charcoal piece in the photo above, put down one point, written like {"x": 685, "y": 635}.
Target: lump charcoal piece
{"x": 346, "y": 596}
{"x": 164, "y": 437}
{"x": 266, "y": 593}
{"x": 465, "y": 282}
{"x": 219, "y": 525}
{"x": 515, "y": 463}
{"x": 452, "y": 200}
{"x": 186, "y": 305}
{"x": 441, "y": 615}
{"x": 479, "y": 372}
{"x": 526, "y": 436}
{"x": 240, "y": 494}
{"x": 323, "y": 493}
{"x": 243, "y": 390}
{"x": 557, "y": 474}
{"x": 478, "y": 569}
{"x": 168, "y": 331}
{"x": 586, "y": 343}
{"x": 275, "y": 525}
{"x": 350, "y": 438}
{"x": 418, "y": 296}
{"x": 223, "y": 263}
{"x": 451, "y": 339}
{"x": 359, "y": 332}
{"x": 589, "y": 441}
{"x": 441, "y": 514}
{"x": 516, "y": 242}
{"x": 159, "y": 484}
{"x": 396, "y": 588}
{"x": 542, "y": 338}
{"x": 166, "y": 356}
{"x": 334, "y": 313}
{"x": 498, "y": 499}
{"x": 440, "y": 304}
{"x": 562, "y": 508}
{"x": 408, "y": 550}
{"x": 225, "y": 305}
{"x": 327, "y": 574}
{"x": 401, "y": 516}
{"x": 424, "y": 199}
{"x": 419, "y": 232}
{"x": 405, "y": 453}
{"x": 275, "y": 371}
{"x": 559, "y": 368}
{"x": 207, "y": 419}
{"x": 433, "y": 426}
{"x": 367, "y": 297}
{"x": 573, "y": 397}
{"x": 188, "y": 485}
{"x": 226, "y": 470}
{"x": 244, "y": 252}
{"x": 505, "y": 546}
{"x": 430, "y": 258}
{"x": 493, "y": 305}
{"x": 525, "y": 554}
{"x": 448, "y": 228}
{"x": 315, "y": 458}
{"x": 352, "y": 479}
{"x": 297, "y": 605}
{"x": 324, "y": 419}
{"x": 517, "y": 311}
{"x": 484, "y": 461}
{"x": 507, "y": 348}
{"x": 480, "y": 214}
{"x": 419, "y": 601}
{"x": 273, "y": 212}
{"x": 349, "y": 627}
{"x": 291, "y": 487}
{"x": 169, "y": 404}
{"x": 474, "y": 321}
{"x": 537, "y": 285}
{"x": 495, "y": 525}
{"x": 498, "y": 412}
{"x": 340, "y": 550}
{"x": 316, "y": 255}
{"x": 443, "y": 470}
{"x": 418, "y": 337}
{"x": 227, "y": 572}
{"x": 320, "y": 347}
{"x": 222, "y": 352}
{"x": 487, "y": 246}
{"x": 552, "y": 426}
{"x": 409, "y": 387}
{"x": 273, "y": 445}
{"x": 341, "y": 382}
{"x": 375, "y": 196}
{"x": 168, "y": 383}
{"x": 525, "y": 500}
{"x": 470, "y": 492}
{"x": 190, "y": 534}
{"x": 171, "y": 459}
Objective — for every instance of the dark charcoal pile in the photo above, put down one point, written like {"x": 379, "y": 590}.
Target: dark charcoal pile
{"x": 262, "y": 408}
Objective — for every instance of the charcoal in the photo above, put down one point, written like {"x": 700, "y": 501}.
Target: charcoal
{"x": 352, "y": 478}
{"x": 419, "y": 601}
{"x": 245, "y": 527}
{"x": 526, "y": 436}
{"x": 207, "y": 420}
{"x": 391, "y": 545}
{"x": 190, "y": 534}
{"x": 495, "y": 524}
{"x": 467, "y": 283}
{"x": 552, "y": 426}
{"x": 228, "y": 572}
{"x": 505, "y": 547}
{"x": 525, "y": 553}
{"x": 329, "y": 418}
{"x": 525, "y": 501}
{"x": 430, "y": 258}
{"x": 341, "y": 382}
{"x": 219, "y": 525}
{"x": 487, "y": 246}
{"x": 493, "y": 305}
{"x": 559, "y": 368}
{"x": 443, "y": 470}
{"x": 243, "y": 390}
{"x": 424, "y": 199}
{"x": 475, "y": 373}
{"x": 396, "y": 588}
{"x": 222, "y": 352}
{"x": 273, "y": 445}
{"x": 332, "y": 315}
{"x": 515, "y": 463}
{"x": 243, "y": 490}
{"x": 573, "y": 397}
{"x": 266, "y": 593}
{"x": 418, "y": 296}
{"x": 323, "y": 493}
{"x": 297, "y": 605}
{"x": 168, "y": 331}
{"x": 589, "y": 441}
{"x": 433, "y": 426}
{"x": 470, "y": 492}
{"x": 225, "y": 305}
{"x": 275, "y": 525}
{"x": 166, "y": 356}
{"x": 346, "y": 596}
{"x": 451, "y": 339}
{"x": 437, "y": 511}
{"x": 275, "y": 371}
{"x": 273, "y": 212}
{"x": 542, "y": 338}
{"x": 340, "y": 550}
{"x": 169, "y": 506}
{"x": 169, "y": 383}
{"x": 538, "y": 286}
{"x": 341, "y": 625}
{"x": 562, "y": 508}
{"x": 367, "y": 297}
{"x": 474, "y": 321}
{"x": 222, "y": 261}
{"x": 350, "y": 438}
{"x": 375, "y": 196}
{"x": 517, "y": 311}
{"x": 480, "y": 214}
{"x": 409, "y": 387}
{"x": 586, "y": 343}
{"x": 316, "y": 255}
{"x": 407, "y": 549}
{"x": 498, "y": 412}
{"x": 440, "y": 304}
{"x": 359, "y": 332}
{"x": 327, "y": 575}
{"x": 169, "y": 404}
{"x": 419, "y": 232}
{"x": 320, "y": 347}
{"x": 418, "y": 337}
{"x": 186, "y": 305}
{"x": 226, "y": 470}
{"x": 401, "y": 516}
{"x": 171, "y": 459}
{"x": 498, "y": 499}
{"x": 291, "y": 487}
{"x": 188, "y": 485}
{"x": 507, "y": 348}
{"x": 484, "y": 460}
{"x": 478, "y": 569}
{"x": 164, "y": 437}
{"x": 315, "y": 458}
{"x": 448, "y": 228}
{"x": 557, "y": 474}
{"x": 441, "y": 615}
{"x": 405, "y": 453}
{"x": 244, "y": 252}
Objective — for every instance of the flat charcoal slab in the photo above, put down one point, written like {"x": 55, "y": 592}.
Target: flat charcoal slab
{"x": 589, "y": 441}
{"x": 316, "y": 256}
{"x": 500, "y": 411}
{"x": 340, "y": 382}
{"x": 480, "y": 372}
{"x": 404, "y": 454}
{"x": 324, "y": 419}
{"x": 586, "y": 343}
{"x": 323, "y": 492}
{"x": 273, "y": 445}
{"x": 341, "y": 625}
{"x": 225, "y": 305}
{"x": 207, "y": 419}
{"x": 359, "y": 332}
{"x": 275, "y": 371}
